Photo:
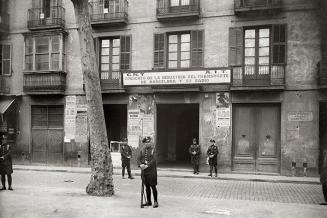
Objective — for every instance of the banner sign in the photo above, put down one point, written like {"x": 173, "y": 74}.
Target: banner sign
{"x": 177, "y": 77}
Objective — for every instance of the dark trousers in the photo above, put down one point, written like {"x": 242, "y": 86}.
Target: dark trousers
{"x": 148, "y": 193}
{"x": 3, "y": 180}
{"x": 324, "y": 190}
{"x": 126, "y": 164}
{"x": 196, "y": 168}
{"x": 213, "y": 166}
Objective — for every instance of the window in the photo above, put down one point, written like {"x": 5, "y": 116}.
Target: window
{"x": 44, "y": 53}
{"x": 179, "y": 53}
{"x": 115, "y": 54}
{"x": 47, "y": 116}
{"x": 178, "y": 50}
{"x": 174, "y": 3}
{"x": 260, "y": 50}
{"x": 5, "y": 59}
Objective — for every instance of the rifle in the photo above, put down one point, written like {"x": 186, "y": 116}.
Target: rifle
{"x": 143, "y": 196}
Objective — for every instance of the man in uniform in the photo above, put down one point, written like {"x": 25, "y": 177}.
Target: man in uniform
{"x": 148, "y": 164}
{"x": 126, "y": 154}
{"x": 323, "y": 175}
{"x": 5, "y": 164}
{"x": 195, "y": 152}
{"x": 212, "y": 155}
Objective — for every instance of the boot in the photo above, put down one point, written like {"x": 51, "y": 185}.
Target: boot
{"x": 155, "y": 205}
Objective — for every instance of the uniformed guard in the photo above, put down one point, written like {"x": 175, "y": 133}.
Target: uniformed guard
{"x": 126, "y": 154}
{"x": 5, "y": 164}
{"x": 212, "y": 155}
{"x": 148, "y": 164}
{"x": 195, "y": 152}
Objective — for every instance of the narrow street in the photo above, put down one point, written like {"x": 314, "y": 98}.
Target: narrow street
{"x": 59, "y": 194}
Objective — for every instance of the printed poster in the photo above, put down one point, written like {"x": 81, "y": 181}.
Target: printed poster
{"x": 222, "y": 109}
{"x": 70, "y": 118}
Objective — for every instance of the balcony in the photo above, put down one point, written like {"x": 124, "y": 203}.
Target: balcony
{"x": 4, "y": 23}
{"x": 258, "y": 77}
{"x": 171, "y": 10}
{"x": 108, "y": 13}
{"x": 53, "y": 82}
{"x": 52, "y": 18}
{"x": 256, "y": 6}
{"x": 111, "y": 82}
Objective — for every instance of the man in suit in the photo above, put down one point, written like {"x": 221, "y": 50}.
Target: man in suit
{"x": 195, "y": 152}
{"x": 148, "y": 164}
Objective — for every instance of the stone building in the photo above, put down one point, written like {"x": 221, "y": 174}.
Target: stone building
{"x": 248, "y": 73}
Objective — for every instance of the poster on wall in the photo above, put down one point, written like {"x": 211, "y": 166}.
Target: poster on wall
{"x": 222, "y": 109}
{"x": 133, "y": 140}
{"x": 134, "y": 122}
{"x": 70, "y": 118}
{"x": 148, "y": 125}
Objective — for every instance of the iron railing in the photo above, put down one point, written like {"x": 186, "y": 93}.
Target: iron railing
{"x": 111, "y": 80}
{"x": 54, "y": 17}
{"x": 4, "y": 22}
{"x": 107, "y": 11}
{"x": 256, "y": 4}
{"x": 47, "y": 82}
{"x": 178, "y": 8}
{"x": 267, "y": 75}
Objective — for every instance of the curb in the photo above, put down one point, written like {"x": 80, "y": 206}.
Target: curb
{"x": 161, "y": 173}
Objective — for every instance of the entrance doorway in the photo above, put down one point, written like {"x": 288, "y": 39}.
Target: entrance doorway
{"x": 322, "y": 131}
{"x": 177, "y": 124}
{"x": 256, "y": 138}
{"x": 116, "y": 121}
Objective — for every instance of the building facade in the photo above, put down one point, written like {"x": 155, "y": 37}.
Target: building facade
{"x": 247, "y": 73}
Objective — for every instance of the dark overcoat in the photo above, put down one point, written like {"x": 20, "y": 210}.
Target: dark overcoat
{"x": 147, "y": 156}
{"x": 126, "y": 154}
{"x": 195, "y": 158}
{"x": 213, "y": 150}
{"x": 6, "y": 163}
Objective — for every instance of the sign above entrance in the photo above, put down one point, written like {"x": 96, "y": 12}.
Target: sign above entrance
{"x": 176, "y": 77}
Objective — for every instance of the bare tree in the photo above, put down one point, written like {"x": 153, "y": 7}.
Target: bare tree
{"x": 101, "y": 183}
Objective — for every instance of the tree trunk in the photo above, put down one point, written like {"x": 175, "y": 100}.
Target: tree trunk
{"x": 101, "y": 183}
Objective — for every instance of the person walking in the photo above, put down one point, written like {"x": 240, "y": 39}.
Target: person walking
{"x": 195, "y": 152}
{"x": 147, "y": 162}
{"x": 126, "y": 154}
{"x": 212, "y": 155}
{"x": 5, "y": 164}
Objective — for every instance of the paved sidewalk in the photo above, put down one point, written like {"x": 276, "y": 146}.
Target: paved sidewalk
{"x": 183, "y": 173}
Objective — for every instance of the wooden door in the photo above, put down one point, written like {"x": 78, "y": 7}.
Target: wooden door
{"x": 256, "y": 138}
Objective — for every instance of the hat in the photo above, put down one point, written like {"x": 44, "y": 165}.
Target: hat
{"x": 212, "y": 140}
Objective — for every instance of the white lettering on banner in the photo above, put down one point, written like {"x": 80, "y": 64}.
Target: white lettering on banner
{"x": 177, "y": 77}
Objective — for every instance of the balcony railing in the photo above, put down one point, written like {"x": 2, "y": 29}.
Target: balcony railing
{"x": 103, "y": 13}
{"x": 167, "y": 9}
{"x": 241, "y": 6}
{"x": 111, "y": 80}
{"x": 4, "y": 22}
{"x": 53, "y": 82}
{"x": 41, "y": 18}
{"x": 258, "y": 76}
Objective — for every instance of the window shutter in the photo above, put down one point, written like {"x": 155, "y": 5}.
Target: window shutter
{"x": 278, "y": 44}
{"x": 6, "y": 59}
{"x": 197, "y": 48}
{"x": 36, "y": 4}
{"x": 235, "y": 46}
{"x": 159, "y": 51}
{"x": 96, "y": 43}
{"x": 125, "y": 52}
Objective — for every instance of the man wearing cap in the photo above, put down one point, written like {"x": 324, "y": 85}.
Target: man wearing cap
{"x": 195, "y": 152}
{"x": 5, "y": 164}
{"x": 212, "y": 155}
{"x": 148, "y": 164}
{"x": 126, "y": 154}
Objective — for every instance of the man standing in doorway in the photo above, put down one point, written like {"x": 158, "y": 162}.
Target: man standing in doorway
{"x": 195, "y": 152}
{"x": 126, "y": 154}
{"x": 148, "y": 164}
{"x": 212, "y": 155}
{"x": 5, "y": 164}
